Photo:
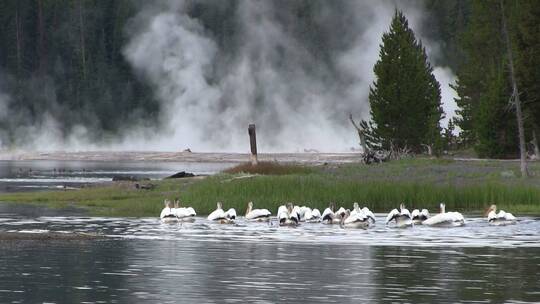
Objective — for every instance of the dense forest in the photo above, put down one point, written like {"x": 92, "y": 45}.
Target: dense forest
{"x": 64, "y": 59}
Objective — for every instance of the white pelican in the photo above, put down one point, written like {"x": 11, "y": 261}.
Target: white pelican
{"x": 287, "y": 216}
{"x": 296, "y": 211}
{"x": 167, "y": 214}
{"x": 329, "y": 217}
{"x": 221, "y": 216}
{"x": 309, "y": 215}
{"x": 315, "y": 216}
{"x": 304, "y": 212}
{"x": 419, "y": 217}
{"x": 402, "y": 217}
{"x": 445, "y": 218}
{"x": 257, "y": 214}
{"x": 355, "y": 218}
{"x": 369, "y": 214}
{"x": 499, "y": 219}
{"x": 183, "y": 214}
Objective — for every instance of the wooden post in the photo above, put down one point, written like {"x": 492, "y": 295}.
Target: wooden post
{"x": 253, "y": 144}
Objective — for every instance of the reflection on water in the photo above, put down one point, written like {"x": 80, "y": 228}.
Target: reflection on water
{"x": 142, "y": 260}
{"x": 47, "y": 174}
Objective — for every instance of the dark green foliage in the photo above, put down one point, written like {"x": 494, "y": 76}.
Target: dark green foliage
{"x": 528, "y": 59}
{"x": 496, "y": 125}
{"x": 405, "y": 98}
{"x": 64, "y": 59}
{"x": 488, "y": 120}
{"x": 445, "y": 23}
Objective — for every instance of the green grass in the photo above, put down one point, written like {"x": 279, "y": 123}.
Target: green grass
{"x": 420, "y": 183}
{"x": 269, "y": 168}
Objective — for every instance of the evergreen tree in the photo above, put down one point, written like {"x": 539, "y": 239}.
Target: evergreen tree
{"x": 527, "y": 18}
{"x": 486, "y": 119}
{"x": 405, "y": 99}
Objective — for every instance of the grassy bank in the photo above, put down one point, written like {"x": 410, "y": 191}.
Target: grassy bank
{"x": 422, "y": 183}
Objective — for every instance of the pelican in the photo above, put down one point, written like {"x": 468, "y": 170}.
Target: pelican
{"x": 355, "y": 218}
{"x": 167, "y": 213}
{"x": 310, "y": 215}
{"x": 369, "y": 214}
{"x": 499, "y": 219}
{"x": 329, "y": 217}
{"x": 402, "y": 217}
{"x": 296, "y": 212}
{"x": 418, "y": 217}
{"x": 315, "y": 216}
{"x": 287, "y": 216}
{"x": 221, "y": 216}
{"x": 257, "y": 214}
{"x": 183, "y": 214}
{"x": 445, "y": 218}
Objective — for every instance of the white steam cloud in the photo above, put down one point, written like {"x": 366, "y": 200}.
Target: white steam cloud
{"x": 210, "y": 93}
{"x": 297, "y": 80}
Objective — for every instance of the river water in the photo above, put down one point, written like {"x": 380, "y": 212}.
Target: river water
{"x": 141, "y": 260}
{"x": 35, "y": 175}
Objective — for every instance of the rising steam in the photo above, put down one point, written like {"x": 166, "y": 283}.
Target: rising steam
{"x": 295, "y": 68}
{"x": 296, "y": 79}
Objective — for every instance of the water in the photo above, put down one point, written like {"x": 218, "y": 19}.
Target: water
{"x": 16, "y": 176}
{"x": 143, "y": 260}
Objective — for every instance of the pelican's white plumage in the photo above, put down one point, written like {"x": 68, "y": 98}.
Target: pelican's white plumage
{"x": 369, "y": 214}
{"x": 310, "y": 215}
{"x": 315, "y": 215}
{"x": 355, "y": 218}
{"x": 500, "y": 219}
{"x": 418, "y": 216}
{"x": 167, "y": 213}
{"x": 217, "y": 214}
{"x": 221, "y": 216}
{"x": 402, "y": 217}
{"x": 287, "y": 216}
{"x": 329, "y": 217}
{"x": 231, "y": 214}
{"x": 445, "y": 218}
{"x": 257, "y": 214}
{"x": 183, "y": 214}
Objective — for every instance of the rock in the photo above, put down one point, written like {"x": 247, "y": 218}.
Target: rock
{"x": 181, "y": 175}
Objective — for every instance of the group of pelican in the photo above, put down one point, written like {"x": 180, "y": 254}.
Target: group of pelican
{"x": 176, "y": 213}
{"x": 404, "y": 218}
{"x": 292, "y": 215}
{"x": 357, "y": 218}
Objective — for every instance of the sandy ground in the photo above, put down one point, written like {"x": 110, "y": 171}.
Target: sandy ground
{"x": 310, "y": 158}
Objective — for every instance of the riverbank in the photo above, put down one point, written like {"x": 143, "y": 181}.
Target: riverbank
{"x": 467, "y": 186}
{"x": 185, "y": 156}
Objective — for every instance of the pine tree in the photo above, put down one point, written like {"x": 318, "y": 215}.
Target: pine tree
{"x": 527, "y": 63}
{"x": 405, "y": 98}
{"x": 486, "y": 119}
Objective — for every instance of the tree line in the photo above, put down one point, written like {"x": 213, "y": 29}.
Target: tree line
{"x": 64, "y": 58}
{"x": 405, "y": 97}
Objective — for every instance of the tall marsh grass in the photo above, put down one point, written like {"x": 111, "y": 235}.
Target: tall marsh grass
{"x": 318, "y": 190}
{"x": 463, "y": 186}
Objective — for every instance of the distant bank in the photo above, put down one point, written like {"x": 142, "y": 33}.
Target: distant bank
{"x": 303, "y": 157}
